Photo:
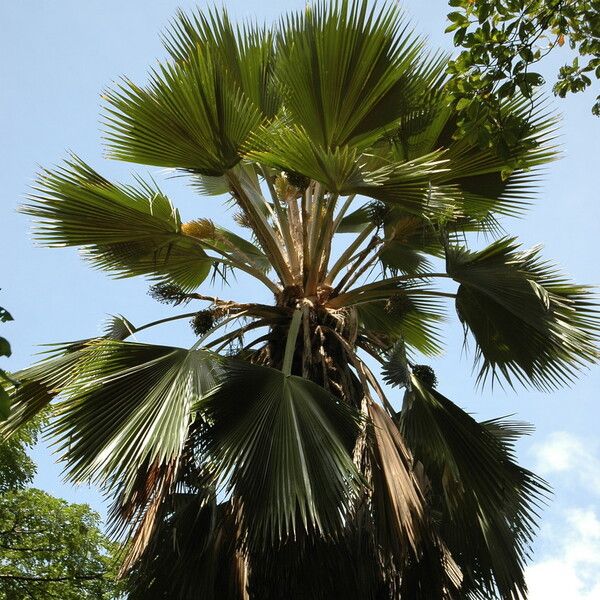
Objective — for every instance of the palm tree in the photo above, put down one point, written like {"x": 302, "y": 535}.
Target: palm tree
{"x": 268, "y": 461}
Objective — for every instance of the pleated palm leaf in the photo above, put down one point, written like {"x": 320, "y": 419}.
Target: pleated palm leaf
{"x": 267, "y": 460}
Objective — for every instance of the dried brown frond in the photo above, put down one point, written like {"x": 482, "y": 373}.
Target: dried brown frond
{"x": 142, "y": 507}
{"x": 397, "y": 497}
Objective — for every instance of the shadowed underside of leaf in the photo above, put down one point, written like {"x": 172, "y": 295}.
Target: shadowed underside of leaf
{"x": 487, "y": 521}
{"x": 527, "y": 319}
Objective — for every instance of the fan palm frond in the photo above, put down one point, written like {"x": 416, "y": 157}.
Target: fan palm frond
{"x": 286, "y": 446}
{"x": 345, "y": 69}
{"x": 129, "y": 407}
{"x": 487, "y": 522}
{"x": 194, "y": 114}
{"x": 528, "y": 321}
{"x": 125, "y": 230}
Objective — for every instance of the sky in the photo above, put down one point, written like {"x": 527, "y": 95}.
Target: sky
{"x": 57, "y": 59}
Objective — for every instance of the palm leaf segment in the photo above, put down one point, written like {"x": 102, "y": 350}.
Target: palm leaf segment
{"x": 269, "y": 449}
{"x": 527, "y": 319}
{"x": 487, "y": 521}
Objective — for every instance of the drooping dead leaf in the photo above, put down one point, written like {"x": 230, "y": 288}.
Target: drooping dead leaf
{"x": 397, "y": 498}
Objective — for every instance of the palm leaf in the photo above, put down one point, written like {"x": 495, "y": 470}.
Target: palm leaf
{"x": 192, "y": 553}
{"x": 486, "y": 522}
{"x": 124, "y": 230}
{"x": 129, "y": 408}
{"x": 291, "y": 148}
{"x": 527, "y": 319}
{"x": 345, "y": 170}
{"x": 193, "y": 115}
{"x": 507, "y": 431}
{"x": 285, "y": 446}
{"x": 398, "y": 509}
{"x": 208, "y": 185}
{"x": 246, "y": 54}
{"x": 118, "y": 327}
{"x": 344, "y": 70}
{"x": 485, "y": 181}
{"x": 355, "y": 221}
{"x": 404, "y": 316}
{"x": 34, "y": 388}
{"x": 488, "y": 180}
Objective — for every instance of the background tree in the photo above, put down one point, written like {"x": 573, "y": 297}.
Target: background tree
{"x": 49, "y": 549}
{"x": 502, "y": 43}
{"x": 5, "y": 379}
{"x": 266, "y": 461}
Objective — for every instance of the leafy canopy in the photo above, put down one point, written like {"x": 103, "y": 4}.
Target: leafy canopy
{"x": 48, "y": 547}
{"x": 502, "y": 42}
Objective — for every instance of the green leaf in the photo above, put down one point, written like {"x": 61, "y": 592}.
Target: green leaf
{"x": 246, "y": 55}
{"x": 407, "y": 184}
{"x": 35, "y": 387}
{"x": 486, "y": 522}
{"x": 128, "y": 410}
{"x": 284, "y": 445}
{"x": 125, "y": 230}
{"x": 345, "y": 70}
{"x": 4, "y": 403}
{"x": 195, "y": 114}
{"x": 5, "y": 316}
{"x": 57, "y": 550}
{"x": 8, "y": 378}
{"x": 528, "y": 321}
{"x": 355, "y": 221}
{"x": 5, "y": 347}
{"x": 404, "y": 315}
{"x": 117, "y": 327}
{"x": 291, "y": 148}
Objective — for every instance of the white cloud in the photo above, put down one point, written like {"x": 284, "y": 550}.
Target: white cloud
{"x": 572, "y": 570}
{"x": 562, "y": 452}
{"x": 569, "y": 567}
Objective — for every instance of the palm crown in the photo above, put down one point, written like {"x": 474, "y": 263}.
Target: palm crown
{"x": 266, "y": 461}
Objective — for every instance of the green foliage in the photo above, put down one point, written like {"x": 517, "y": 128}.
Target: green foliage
{"x": 130, "y": 407}
{"x": 5, "y": 379}
{"x": 123, "y": 230}
{"x": 479, "y": 514}
{"x": 294, "y": 433}
{"x": 48, "y": 547}
{"x": 17, "y": 468}
{"x": 345, "y": 71}
{"x": 52, "y": 549}
{"x": 196, "y": 113}
{"x": 502, "y": 41}
{"x": 527, "y": 319}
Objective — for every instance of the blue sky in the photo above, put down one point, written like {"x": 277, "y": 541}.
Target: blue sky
{"x": 59, "y": 56}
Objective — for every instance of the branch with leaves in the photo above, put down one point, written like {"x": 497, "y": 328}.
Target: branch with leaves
{"x": 502, "y": 42}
